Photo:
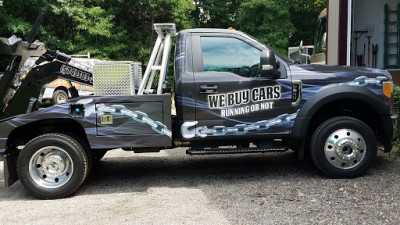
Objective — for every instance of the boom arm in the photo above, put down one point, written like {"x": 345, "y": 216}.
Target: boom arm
{"x": 21, "y": 51}
{"x": 54, "y": 65}
{"x": 50, "y": 66}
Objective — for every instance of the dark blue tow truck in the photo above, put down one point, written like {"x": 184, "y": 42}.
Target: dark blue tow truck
{"x": 232, "y": 95}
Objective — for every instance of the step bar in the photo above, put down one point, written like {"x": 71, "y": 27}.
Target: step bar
{"x": 221, "y": 151}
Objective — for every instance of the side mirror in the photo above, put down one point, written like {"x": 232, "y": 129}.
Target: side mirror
{"x": 301, "y": 50}
{"x": 323, "y": 45}
{"x": 269, "y": 65}
{"x": 301, "y": 47}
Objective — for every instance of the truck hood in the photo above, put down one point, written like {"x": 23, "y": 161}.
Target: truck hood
{"x": 323, "y": 72}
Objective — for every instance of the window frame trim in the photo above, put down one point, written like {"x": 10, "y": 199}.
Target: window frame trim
{"x": 239, "y": 41}
{"x": 198, "y": 53}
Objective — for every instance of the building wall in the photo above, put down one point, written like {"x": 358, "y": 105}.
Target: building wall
{"x": 333, "y": 33}
{"x": 338, "y": 31}
{"x": 371, "y": 13}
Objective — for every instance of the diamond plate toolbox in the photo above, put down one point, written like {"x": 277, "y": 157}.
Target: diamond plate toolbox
{"x": 116, "y": 77}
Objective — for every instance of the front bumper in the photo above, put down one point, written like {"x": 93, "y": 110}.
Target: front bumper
{"x": 387, "y": 126}
{"x": 3, "y": 143}
{"x": 2, "y": 153}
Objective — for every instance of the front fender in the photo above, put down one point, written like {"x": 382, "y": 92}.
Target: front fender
{"x": 326, "y": 96}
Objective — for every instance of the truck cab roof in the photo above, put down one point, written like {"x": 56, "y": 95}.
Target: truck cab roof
{"x": 213, "y": 30}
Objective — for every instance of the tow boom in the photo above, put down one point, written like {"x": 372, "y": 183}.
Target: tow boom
{"x": 24, "y": 98}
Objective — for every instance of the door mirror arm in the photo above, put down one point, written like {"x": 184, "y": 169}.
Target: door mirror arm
{"x": 269, "y": 65}
{"x": 301, "y": 50}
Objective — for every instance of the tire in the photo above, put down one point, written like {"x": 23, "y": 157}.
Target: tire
{"x": 52, "y": 166}
{"x": 59, "y": 97}
{"x": 87, "y": 149}
{"x": 343, "y": 147}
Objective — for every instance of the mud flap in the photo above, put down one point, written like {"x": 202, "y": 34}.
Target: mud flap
{"x": 387, "y": 145}
{"x": 300, "y": 150}
{"x": 10, "y": 170}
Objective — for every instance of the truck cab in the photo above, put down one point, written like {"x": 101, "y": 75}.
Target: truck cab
{"x": 220, "y": 75}
{"x": 222, "y": 94}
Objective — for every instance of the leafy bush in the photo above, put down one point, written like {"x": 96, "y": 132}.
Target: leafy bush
{"x": 396, "y": 139}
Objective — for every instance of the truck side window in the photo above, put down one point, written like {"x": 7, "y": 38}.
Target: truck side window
{"x": 223, "y": 54}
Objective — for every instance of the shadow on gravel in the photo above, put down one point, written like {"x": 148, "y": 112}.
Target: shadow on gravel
{"x": 271, "y": 188}
{"x": 137, "y": 173}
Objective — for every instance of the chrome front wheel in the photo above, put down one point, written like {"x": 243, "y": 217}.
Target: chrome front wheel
{"x": 343, "y": 147}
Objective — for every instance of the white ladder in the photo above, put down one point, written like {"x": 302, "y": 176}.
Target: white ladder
{"x": 162, "y": 49}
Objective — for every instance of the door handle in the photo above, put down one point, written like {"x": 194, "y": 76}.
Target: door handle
{"x": 208, "y": 88}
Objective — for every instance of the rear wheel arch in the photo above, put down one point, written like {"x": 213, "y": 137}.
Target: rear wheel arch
{"x": 63, "y": 88}
{"x": 26, "y": 133}
{"x": 23, "y": 134}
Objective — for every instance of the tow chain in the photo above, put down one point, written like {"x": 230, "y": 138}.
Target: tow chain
{"x": 238, "y": 129}
{"x": 364, "y": 80}
{"x": 141, "y": 117}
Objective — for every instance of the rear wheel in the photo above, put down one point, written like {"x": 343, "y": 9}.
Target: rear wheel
{"x": 59, "y": 97}
{"x": 52, "y": 166}
{"x": 343, "y": 147}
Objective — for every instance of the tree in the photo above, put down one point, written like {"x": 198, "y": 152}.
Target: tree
{"x": 304, "y": 16}
{"x": 267, "y": 20}
{"x": 122, "y": 29}
{"x": 69, "y": 25}
{"x": 136, "y": 18}
{"x": 216, "y": 13}
{"x": 287, "y": 21}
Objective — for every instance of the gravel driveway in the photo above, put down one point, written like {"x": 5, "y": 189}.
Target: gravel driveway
{"x": 173, "y": 188}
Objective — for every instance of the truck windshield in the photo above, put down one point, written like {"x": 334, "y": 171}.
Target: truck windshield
{"x": 319, "y": 36}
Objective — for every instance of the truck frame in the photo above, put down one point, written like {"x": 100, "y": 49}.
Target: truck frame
{"x": 233, "y": 94}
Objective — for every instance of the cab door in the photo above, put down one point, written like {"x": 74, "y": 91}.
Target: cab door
{"x": 232, "y": 99}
